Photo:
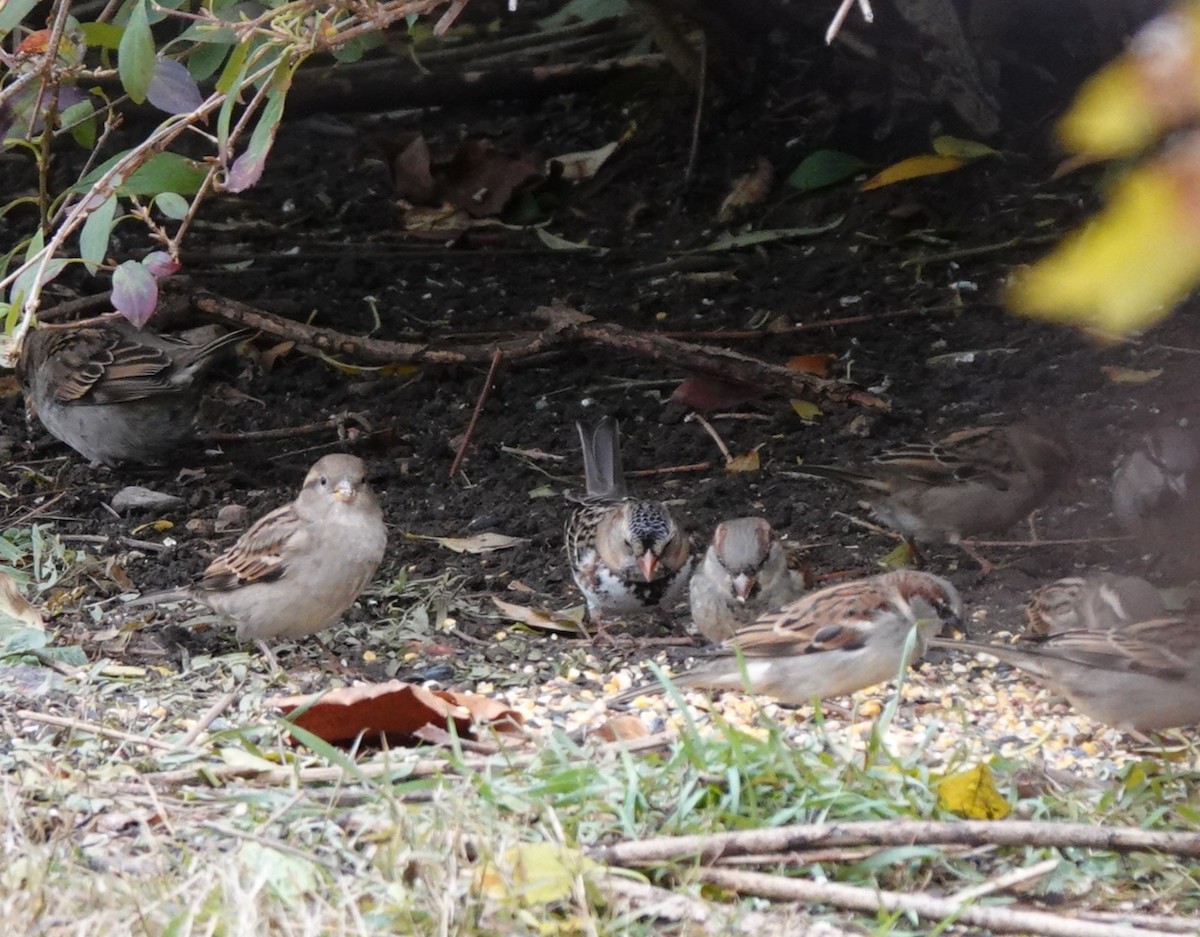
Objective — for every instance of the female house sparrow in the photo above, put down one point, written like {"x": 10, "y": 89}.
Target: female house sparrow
{"x": 744, "y": 574}
{"x": 1140, "y": 676}
{"x": 113, "y": 392}
{"x": 834, "y": 641}
{"x": 1156, "y": 491}
{"x": 626, "y": 555}
{"x": 969, "y": 482}
{"x": 1092, "y": 603}
{"x": 300, "y": 566}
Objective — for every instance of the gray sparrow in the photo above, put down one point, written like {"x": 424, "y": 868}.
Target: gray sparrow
{"x": 1093, "y": 603}
{"x": 1156, "y": 492}
{"x": 299, "y": 567}
{"x": 113, "y": 392}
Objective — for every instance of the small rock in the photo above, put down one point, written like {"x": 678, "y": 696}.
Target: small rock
{"x": 137, "y": 498}
{"x": 232, "y": 517}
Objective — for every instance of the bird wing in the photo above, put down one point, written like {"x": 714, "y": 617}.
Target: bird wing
{"x": 260, "y": 554}
{"x": 837, "y": 618}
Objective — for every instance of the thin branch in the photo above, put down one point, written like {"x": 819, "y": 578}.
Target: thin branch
{"x": 483, "y": 396}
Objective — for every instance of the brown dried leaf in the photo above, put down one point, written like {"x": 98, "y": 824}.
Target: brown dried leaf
{"x": 748, "y": 190}
{"x": 743, "y": 463}
{"x": 621, "y": 728}
{"x": 706, "y": 394}
{"x": 536, "y": 618}
{"x": 811, "y": 364}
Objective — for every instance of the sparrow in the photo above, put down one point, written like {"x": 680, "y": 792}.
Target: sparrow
{"x": 1092, "y": 603}
{"x": 1139, "y": 676}
{"x": 626, "y": 555}
{"x": 298, "y": 568}
{"x": 969, "y": 482}
{"x": 113, "y": 392}
{"x": 744, "y": 573}
{"x": 832, "y": 642}
{"x": 1156, "y": 491}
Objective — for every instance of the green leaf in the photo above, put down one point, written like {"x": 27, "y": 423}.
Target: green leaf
{"x": 80, "y": 119}
{"x": 102, "y": 35}
{"x": 163, "y": 172}
{"x": 204, "y": 62}
{"x": 171, "y": 204}
{"x": 822, "y": 168}
{"x": 135, "y": 53}
{"x": 93, "y": 239}
{"x": 12, "y": 12}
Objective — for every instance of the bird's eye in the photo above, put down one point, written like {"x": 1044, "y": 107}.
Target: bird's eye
{"x": 324, "y": 481}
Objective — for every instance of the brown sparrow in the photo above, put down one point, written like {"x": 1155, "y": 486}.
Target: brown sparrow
{"x": 1093, "y": 603}
{"x": 113, "y": 392}
{"x": 969, "y": 482}
{"x": 300, "y": 566}
{"x": 626, "y": 555}
{"x": 1144, "y": 675}
{"x": 744, "y": 574}
{"x": 1156, "y": 491}
{"x": 834, "y": 641}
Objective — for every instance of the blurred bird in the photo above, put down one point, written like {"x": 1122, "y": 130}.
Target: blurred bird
{"x": 744, "y": 574}
{"x": 626, "y": 555}
{"x": 1092, "y": 603}
{"x": 831, "y": 642}
{"x": 1156, "y": 492}
{"x": 1139, "y": 676}
{"x": 113, "y": 392}
{"x": 970, "y": 482}
{"x": 296, "y": 570}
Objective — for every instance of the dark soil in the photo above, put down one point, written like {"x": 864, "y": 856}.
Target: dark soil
{"x": 319, "y": 238}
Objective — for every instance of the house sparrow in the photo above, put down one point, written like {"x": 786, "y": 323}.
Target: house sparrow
{"x": 113, "y": 392}
{"x": 834, "y": 641}
{"x": 1139, "y": 676}
{"x": 1156, "y": 491}
{"x": 744, "y": 574}
{"x": 300, "y": 566}
{"x": 969, "y": 482}
{"x": 626, "y": 555}
{"x": 1092, "y": 603}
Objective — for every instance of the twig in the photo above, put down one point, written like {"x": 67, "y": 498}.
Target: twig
{"x": 708, "y": 428}
{"x": 1006, "y": 881}
{"x": 871, "y": 901}
{"x": 483, "y": 396}
{"x": 107, "y": 538}
{"x": 288, "y": 432}
{"x": 209, "y": 717}
{"x": 707, "y": 848}
{"x": 75, "y": 724}
{"x": 1082, "y": 541}
{"x": 981, "y": 250}
{"x": 669, "y": 470}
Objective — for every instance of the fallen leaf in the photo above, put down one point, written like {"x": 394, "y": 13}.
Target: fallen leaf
{"x": 806, "y": 410}
{"x": 972, "y": 794}
{"x": 912, "y": 168}
{"x": 14, "y": 605}
{"x": 1129, "y": 375}
{"x": 394, "y": 711}
{"x": 900, "y": 558}
{"x": 576, "y": 167}
{"x": 138, "y": 498}
{"x": 811, "y": 364}
{"x": 708, "y": 393}
{"x": 822, "y": 168}
{"x": 961, "y": 149}
{"x": 743, "y": 463}
{"x": 749, "y": 189}
{"x": 621, "y": 728}
{"x": 480, "y": 543}
{"x": 536, "y": 618}
{"x": 533, "y": 874}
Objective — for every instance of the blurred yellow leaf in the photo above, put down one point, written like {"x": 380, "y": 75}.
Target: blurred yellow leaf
{"x": 1129, "y": 375}
{"x": 1129, "y": 266}
{"x": 479, "y": 543}
{"x": 806, "y": 410}
{"x": 743, "y": 463}
{"x": 902, "y": 557}
{"x": 972, "y": 794}
{"x": 912, "y": 168}
{"x": 533, "y": 873}
{"x": 960, "y": 148}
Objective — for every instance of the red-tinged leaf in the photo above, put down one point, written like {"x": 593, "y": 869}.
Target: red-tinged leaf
{"x": 811, "y": 364}
{"x": 708, "y": 393}
{"x": 160, "y": 264}
{"x": 246, "y": 170}
{"x": 134, "y": 292}
{"x": 913, "y": 168}
{"x": 173, "y": 89}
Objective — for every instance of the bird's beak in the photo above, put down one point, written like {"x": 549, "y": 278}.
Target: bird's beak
{"x": 743, "y": 585}
{"x": 345, "y": 491}
{"x": 648, "y": 563}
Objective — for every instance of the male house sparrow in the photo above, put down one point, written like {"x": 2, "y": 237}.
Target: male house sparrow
{"x": 113, "y": 392}
{"x": 1156, "y": 491}
{"x": 626, "y": 555}
{"x": 834, "y": 641}
{"x": 1139, "y": 676}
{"x": 300, "y": 566}
{"x": 969, "y": 482}
{"x": 744, "y": 574}
{"x": 1092, "y": 603}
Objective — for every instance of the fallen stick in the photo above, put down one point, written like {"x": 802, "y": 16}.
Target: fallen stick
{"x": 483, "y": 396}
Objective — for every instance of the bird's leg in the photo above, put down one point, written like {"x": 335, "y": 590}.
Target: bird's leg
{"x": 269, "y": 655}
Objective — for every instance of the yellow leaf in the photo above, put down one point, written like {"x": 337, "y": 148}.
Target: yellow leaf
{"x": 972, "y": 794}
{"x": 480, "y": 543}
{"x": 960, "y": 148}
{"x": 1129, "y": 375}
{"x": 743, "y": 463}
{"x": 533, "y": 873}
{"x": 1128, "y": 267}
{"x": 912, "y": 168}
{"x": 900, "y": 558}
{"x": 806, "y": 410}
